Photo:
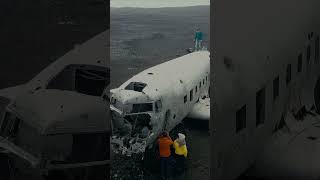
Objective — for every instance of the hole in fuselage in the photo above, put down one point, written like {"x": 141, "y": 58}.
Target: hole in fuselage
{"x": 136, "y": 86}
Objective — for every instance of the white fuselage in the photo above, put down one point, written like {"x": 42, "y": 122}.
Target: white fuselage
{"x": 172, "y": 87}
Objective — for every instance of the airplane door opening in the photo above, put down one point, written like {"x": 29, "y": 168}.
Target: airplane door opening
{"x": 317, "y": 95}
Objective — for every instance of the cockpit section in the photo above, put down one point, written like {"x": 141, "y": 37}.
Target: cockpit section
{"x": 133, "y": 121}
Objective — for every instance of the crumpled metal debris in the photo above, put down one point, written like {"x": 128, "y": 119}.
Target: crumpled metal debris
{"x": 127, "y": 162}
{"x": 128, "y": 145}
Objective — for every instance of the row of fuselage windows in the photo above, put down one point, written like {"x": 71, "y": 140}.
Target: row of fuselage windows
{"x": 261, "y": 94}
{"x": 185, "y": 99}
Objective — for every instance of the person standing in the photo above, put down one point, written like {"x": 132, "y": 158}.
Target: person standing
{"x": 164, "y": 142}
{"x": 181, "y": 152}
{"x": 198, "y": 40}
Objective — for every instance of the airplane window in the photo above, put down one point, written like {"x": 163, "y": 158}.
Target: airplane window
{"x": 300, "y": 63}
{"x": 316, "y": 50}
{"x": 275, "y": 88}
{"x": 191, "y": 95}
{"x": 241, "y": 119}
{"x": 288, "y": 77}
{"x": 185, "y": 98}
{"x": 308, "y": 53}
{"x": 143, "y": 107}
{"x": 260, "y": 106}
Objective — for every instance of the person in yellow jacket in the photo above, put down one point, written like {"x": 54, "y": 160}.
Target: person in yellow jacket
{"x": 181, "y": 151}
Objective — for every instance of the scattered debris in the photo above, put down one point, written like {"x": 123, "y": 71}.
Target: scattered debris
{"x": 128, "y": 168}
{"x": 128, "y": 146}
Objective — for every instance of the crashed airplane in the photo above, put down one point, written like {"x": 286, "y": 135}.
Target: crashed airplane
{"x": 59, "y": 119}
{"x": 158, "y": 99}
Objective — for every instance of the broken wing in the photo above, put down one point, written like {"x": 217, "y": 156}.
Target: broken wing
{"x": 201, "y": 110}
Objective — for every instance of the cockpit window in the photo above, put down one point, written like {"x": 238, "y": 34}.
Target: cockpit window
{"x": 143, "y": 107}
{"x": 135, "y": 86}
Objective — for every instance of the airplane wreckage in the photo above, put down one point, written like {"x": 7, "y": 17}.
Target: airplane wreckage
{"x": 158, "y": 99}
{"x": 60, "y": 118}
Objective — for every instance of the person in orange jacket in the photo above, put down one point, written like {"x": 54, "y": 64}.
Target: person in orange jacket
{"x": 164, "y": 142}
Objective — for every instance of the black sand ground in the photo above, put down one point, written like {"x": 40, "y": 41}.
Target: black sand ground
{"x": 142, "y": 38}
